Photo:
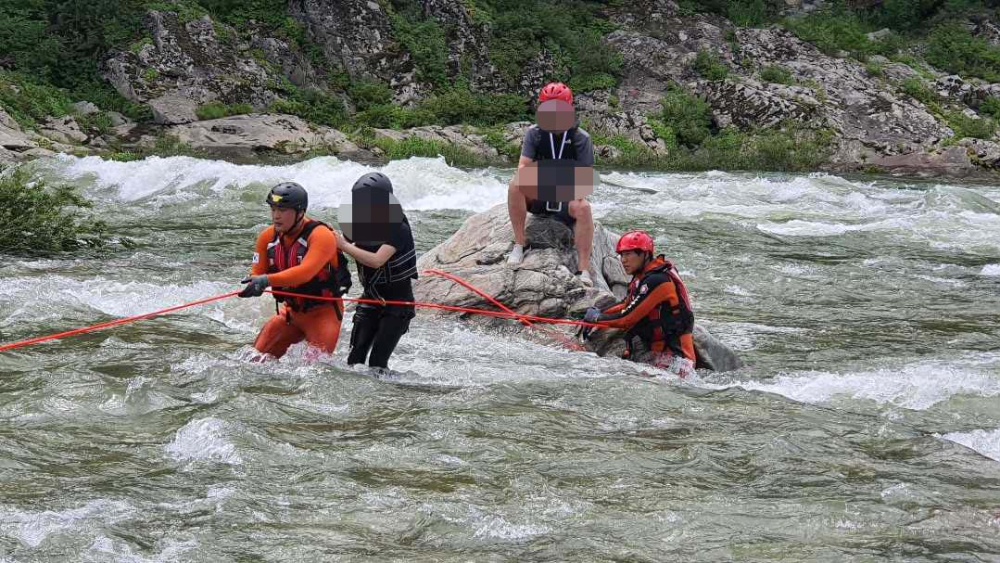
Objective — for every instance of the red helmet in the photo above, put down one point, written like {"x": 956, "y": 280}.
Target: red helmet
{"x": 556, "y": 91}
{"x": 635, "y": 240}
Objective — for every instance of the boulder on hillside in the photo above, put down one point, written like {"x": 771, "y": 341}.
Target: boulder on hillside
{"x": 64, "y": 130}
{"x": 544, "y": 284}
{"x": 953, "y": 161}
{"x": 247, "y": 135}
{"x": 464, "y": 137}
{"x": 173, "y": 108}
{"x": 12, "y": 139}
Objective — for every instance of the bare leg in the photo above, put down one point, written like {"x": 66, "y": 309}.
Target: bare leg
{"x": 583, "y": 231}
{"x": 517, "y": 207}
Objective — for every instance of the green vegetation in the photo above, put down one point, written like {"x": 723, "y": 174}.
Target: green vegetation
{"x": 953, "y": 49}
{"x": 688, "y": 117}
{"x": 776, "y": 74}
{"x": 218, "y": 110}
{"x": 424, "y": 39}
{"x": 29, "y": 102}
{"x": 415, "y": 146}
{"x": 991, "y": 107}
{"x": 790, "y": 149}
{"x": 495, "y": 138}
{"x": 37, "y": 219}
{"x": 99, "y": 122}
{"x": 316, "y": 106}
{"x": 840, "y": 29}
{"x": 461, "y": 106}
{"x": 971, "y": 127}
{"x": 570, "y": 31}
{"x": 916, "y": 89}
{"x": 937, "y": 28}
{"x": 744, "y": 13}
{"x": 708, "y": 65}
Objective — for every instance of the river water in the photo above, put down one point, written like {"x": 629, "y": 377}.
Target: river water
{"x": 866, "y": 426}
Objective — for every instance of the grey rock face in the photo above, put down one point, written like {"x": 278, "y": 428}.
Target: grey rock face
{"x": 12, "y": 139}
{"x": 983, "y": 153}
{"x": 194, "y": 62}
{"x": 544, "y": 284}
{"x": 85, "y": 108}
{"x": 247, "y": 135}
{"x": 454, "y": 135}
{"x": 173, "y": 108}
{"x": 953, "y": 161}
{"x": 63, "y": 130}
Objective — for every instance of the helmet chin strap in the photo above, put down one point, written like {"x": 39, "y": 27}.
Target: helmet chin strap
{"x": 298, "y": 219}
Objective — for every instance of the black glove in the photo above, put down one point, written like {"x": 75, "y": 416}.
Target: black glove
{"x": 591, "y": 316}
{"x": 256, "y": 286}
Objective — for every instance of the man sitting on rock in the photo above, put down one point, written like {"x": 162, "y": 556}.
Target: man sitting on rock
{"x": 554, "y": 175}
{"x": 656, "y": 311}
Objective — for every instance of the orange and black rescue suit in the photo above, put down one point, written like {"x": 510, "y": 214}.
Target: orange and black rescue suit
{"x": 656, "y": 310}
{"x": 305, "y": 261}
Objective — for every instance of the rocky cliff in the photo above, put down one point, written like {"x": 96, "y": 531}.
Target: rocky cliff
{"x": 870, "y": 111}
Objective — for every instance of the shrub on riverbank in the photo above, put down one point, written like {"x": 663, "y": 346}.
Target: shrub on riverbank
{"x": 39, "y": 219}
{"x": 790, "y": 149}
{"x": 218, "y": 110}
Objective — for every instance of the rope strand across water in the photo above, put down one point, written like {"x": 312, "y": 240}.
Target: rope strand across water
{"x": 505, "y": 313}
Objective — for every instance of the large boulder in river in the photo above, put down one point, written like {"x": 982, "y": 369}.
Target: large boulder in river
{"x": 544, "y": 284}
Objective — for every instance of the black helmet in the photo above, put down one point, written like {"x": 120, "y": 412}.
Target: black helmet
{"x": 289, "y": 195}
{"x": 373, "y": 180}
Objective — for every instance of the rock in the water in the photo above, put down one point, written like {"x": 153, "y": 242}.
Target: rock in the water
{"x": 544, "y": 284}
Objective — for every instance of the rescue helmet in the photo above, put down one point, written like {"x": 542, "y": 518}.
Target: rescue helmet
{"x": 373, "y": 180}
{"x": 635, "y": 240}
{"x": 556, "y": 91}
{"x": 288, "y": 195}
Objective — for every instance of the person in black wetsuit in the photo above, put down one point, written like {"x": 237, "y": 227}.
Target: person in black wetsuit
{"x": 381, "y": 243}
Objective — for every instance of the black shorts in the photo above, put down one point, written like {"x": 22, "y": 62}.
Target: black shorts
{"x": 539, "y": 207}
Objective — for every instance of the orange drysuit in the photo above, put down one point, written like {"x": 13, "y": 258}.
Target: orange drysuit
{"x": 289, "y": 264}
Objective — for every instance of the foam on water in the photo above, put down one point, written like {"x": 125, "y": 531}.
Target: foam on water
{"x": 204, "y": 440}
{"x": 50, "y": 300}
{"x": 419, "y": 183}
{"x": 917, "y": 386}
{"x": 32, "y": 528}
{"x": 104, "y": 549}
{"x": 986, "y": 442}
{"x": 991, "y": 270}
{"x": 818, "y": 205}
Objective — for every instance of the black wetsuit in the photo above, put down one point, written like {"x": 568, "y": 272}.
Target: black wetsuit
{"x": 378, "y": 328}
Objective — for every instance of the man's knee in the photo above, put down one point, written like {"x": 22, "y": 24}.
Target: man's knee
{"x": 579, "y": 208}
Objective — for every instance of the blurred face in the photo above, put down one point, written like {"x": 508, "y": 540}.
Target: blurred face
{"x": 556, "y": 116}
{"x": 633, "y": 261}
{"x": 283, "y": 219}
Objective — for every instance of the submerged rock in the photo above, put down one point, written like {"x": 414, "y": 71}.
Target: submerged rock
{"x": 544, "y": 284}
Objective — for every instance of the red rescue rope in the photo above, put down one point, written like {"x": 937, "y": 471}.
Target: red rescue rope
{"x": 116, "y": 322}
{"x": 506, "y": 313}
{"x": 552, "y": 333}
